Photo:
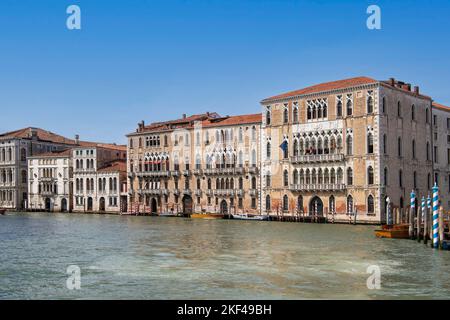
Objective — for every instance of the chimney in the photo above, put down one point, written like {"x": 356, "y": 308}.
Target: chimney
{"x": 392, "y": 81}
{"x": 184, "y": 115}
{"x": 33, "y": 133}
{"x": 77, "y": 139}
{"x": 416, "y": 90}
{"x": 141, "y": 125}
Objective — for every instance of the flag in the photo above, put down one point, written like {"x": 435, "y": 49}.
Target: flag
{"x": 284, "y": 146}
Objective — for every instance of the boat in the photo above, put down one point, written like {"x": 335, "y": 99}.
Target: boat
{"x": 207, "y": 216}
{"x": 2, "y": 212}
{"x": 168, "y": 214}
{"x": 245, "y": 216}
{"x": 398, "y": 231}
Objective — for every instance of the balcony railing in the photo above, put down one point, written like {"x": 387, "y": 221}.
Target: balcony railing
{"x": 186, "y": 173}
{"x": 209, "y": 192}
{"x": 224, "y": 192}
{"x": 318, "y": 187}
{"x": 175, "y": 173}
{"x": 150, "y": 191}
{"x": 253, "y": 192}
{"x": 198, "y": 192}
{"x": 47, "y": 193}
{"x": 187, "y": 192}
{"x": 153, "y": 173}
{"x": 253, "y": 170}
{"x": 311, "y": 158}
{"x": 217, "y": 171}
{"x": 47, "y": 179}
{"x": 197, "y": 172}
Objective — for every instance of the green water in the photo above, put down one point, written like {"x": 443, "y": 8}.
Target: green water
{"x": 177, "y": 258}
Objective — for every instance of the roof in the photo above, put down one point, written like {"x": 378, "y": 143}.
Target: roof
{"x": 441, "y": 107}
{"x": 114, "y": 166}
{"x": 40, "y": 134}
{"x": 54, "y": 154}
{"x": 326, "y": 86}
{"x": 233, "y": 120}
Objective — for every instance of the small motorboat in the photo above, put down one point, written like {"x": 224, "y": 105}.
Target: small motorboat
{"x": 2, "y": 212}
{"x": 397, "y": 231}
{"x": 245, "y": 216}
{"x": 168, "y": 214}
{"x": 209, "y": 216}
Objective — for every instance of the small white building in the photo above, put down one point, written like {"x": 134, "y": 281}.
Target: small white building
{"x": 49, "y": 183}
{"x": 97, "y": 175}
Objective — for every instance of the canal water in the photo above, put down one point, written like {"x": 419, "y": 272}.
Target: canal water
{"x": 177, "y": 258}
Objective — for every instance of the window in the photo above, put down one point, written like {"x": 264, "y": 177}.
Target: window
{"x": 268, "y": 151}
{"x": 349, "y": 145}
{"x": 332, "y": 204}
{"x": 268, "y": 205}
{"x": 434, "y": 120}
{"x": 295, "y": 113}
{"x": 286, "y": 115}
{"x": 427, "y": 116}
{"x": 370, "y": 204}
{"x": 399, "y": 146}
{"x": 285, "y": 146}
{"x": 23, "y": 155}
{"x": 240, "y": 203}
{"x": 384, "y": 143}
{"x": 448, "y": 123}
{"x": 285, "y": 203}
{"x": 370, "y": 177}
{"x": 268, "y": 119}
{"x": 253, "y": 133}
{"x": 349, "y": 176}
{"x": 285, "y": 178}
{"x": 448, "y": 156}
{"x": 253, "y": 204}
{"x": 268, "y": 180}
{"x": 413, "y": 112}
{"x": 435, "y": 154}
{"x": 339, "y": 106}
{"x": 370, "y": 102}
{"x": 399, "y": 109}
{"x": 349, "y": 105}
{"x": 400, "y": 178}
{"x": 429, "y": 181}
{"x": 428, "y": 151}
{"x": 413, "y": 149}
{"x": 349, "y": 204}
{"x": 415, "y": 179}
{"x": 383, "y": 105}
{"x": 370, "y": 143}
{"x": 385, "y": 176}
{"x": 241, "y": 135}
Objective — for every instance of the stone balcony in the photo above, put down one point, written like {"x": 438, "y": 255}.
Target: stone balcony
{"x": 318, "y": 187}
{"x": 175, "y": 173}
{"x": 186, "y": 173}
{"x": 198, "y": 192}
{"x": 187, "y": 192}
{"x": 155, "y": 192}
{"x": 253, "y": 192}
{"x": 224, "y": 192}
{"x": 253, "y": 170}
{"x": 314, "y": 158}
{"x": 197, "y": 172}
{"x": 153, "y": 173}
{"x": 224, "y": 171}
{"x": 46, "y": 179}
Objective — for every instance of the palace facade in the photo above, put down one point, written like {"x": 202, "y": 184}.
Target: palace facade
{"x": 201, "y": 163}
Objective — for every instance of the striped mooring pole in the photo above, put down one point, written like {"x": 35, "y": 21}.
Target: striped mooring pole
{"x": 423, "y": 209}
{"x": 435, "y": 216}
{"x": 412, "y": 214}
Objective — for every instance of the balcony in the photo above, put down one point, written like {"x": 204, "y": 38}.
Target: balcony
{"x": 175, "y": 173}
{"x": 48, "y": 193}
{"x": 154, "y": 192}
{"x": 47, "y": 179}
{"x": 197, "y": 172}
{"x": 153, "y": 174}
{"x": 224, "y": 192}
{"x": 224, "y": 171}
{"x": 176, "y": 192}
{"x": 318, "y": 187}
{"x": 240, "y": 193}
{"x": 198, "y": 192}
{"x": 253, "y": 192}
{"x": 209, "y": 192}
{"x": 253, "y": 170}
{"x": 186, "y": 173}
{"x": 313, "y": 158}
{"x": 187, "y": 192}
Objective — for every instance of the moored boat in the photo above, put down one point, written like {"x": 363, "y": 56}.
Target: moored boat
{"x": 398, "y": 231}
{"x": 207, "y": 216}
{"x": 168, "y": 214}
{"x": 2, "y": 211}
{"x": 245, "y": 216}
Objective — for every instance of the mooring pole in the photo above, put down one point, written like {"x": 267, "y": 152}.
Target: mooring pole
{"x": 441, "y": 227}
{"x": 435, "y": 216}
{"x": 419, "y": 219}
{"x": 425, "y": 221}
{"x": 411, "y": 215}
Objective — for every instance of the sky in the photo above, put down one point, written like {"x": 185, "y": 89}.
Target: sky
{"x": 147, "y": 60}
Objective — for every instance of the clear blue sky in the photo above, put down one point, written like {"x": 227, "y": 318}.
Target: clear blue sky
{"x": 154, "y": 60}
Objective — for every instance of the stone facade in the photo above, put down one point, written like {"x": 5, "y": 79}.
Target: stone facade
{"x": 50, "y": 182}
{"x": 201, "y": 163}
{"x": 98, "y": 173}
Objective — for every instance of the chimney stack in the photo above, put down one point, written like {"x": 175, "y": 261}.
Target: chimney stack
{"x": 77, "y": 139}
{"x": 184, "y": 115}
{"x": 392, "y": 81}
{"x": 33, "y": 133}
{"x": 141, "y": 125}
{"x": 416, "y": 90}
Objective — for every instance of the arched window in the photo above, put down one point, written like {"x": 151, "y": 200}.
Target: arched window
{"x": 268, "y": 119}
{"x": 309, "y": 113}
{"x": 24, "y": 176}
{"x": 295, "y": 177}
{"x": 349, "y": 145}
{"x": 428, "y": 151}
{"x": 384, "y": 143}
{"x": 241, "y": 135}
{"x": 370, "y": 177}
{"x": 370, "y": 143}
{"x": 295, "y": 148}
{"x": 399, "y": 146}
{"x": 429, "y": 181}
{"x": 339, "y": 109}
{"x": 349, "y": 176}
{"x": 385, "y": 176}
{"x": 268, "y": 204}
{"x": 370, "y": 204}
{"x": 253, "y": 158}
{"x": 349, "y": 204}
{"x": 209, "y": 183}
{"x": 285, "y": 203}
{"x": 285, "y": 115}
{"x": 369, "y": 104}
{"x": 241, "y": 183}
{"x": 285, "y": 150}
{"x": 399, "y": 109}
{"x": 400, "y": 178}
{"x": 383, "y": 105}
{"x": 332, "y": 204}
{"x": 253, "y": 182}
{"x": 268, "y": 180}
{"x": 427, "y": 116}
{"x": 295, "y": 114}
{"x": 285, "y": 178}
{"x": 253, "y": 133}
{"x": 23, "y": 154}
{"x": 413, "y": 112}
{"x": 268, "y": 151}
{"x": 299, "y": 204}
{"x": 199, "y": 183}
{"x": 349, "y": 107}
{"x": 414, "y": 149}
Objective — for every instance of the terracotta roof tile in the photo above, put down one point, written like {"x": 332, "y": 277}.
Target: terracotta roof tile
{"x": 56, "y": 153}
{"x": 233, "y": 120}
{"x": 441, "y": 107}
{"x": 114, "y": 166}
{"x": 326, "y": 86}
{"x": 41, "y": 135}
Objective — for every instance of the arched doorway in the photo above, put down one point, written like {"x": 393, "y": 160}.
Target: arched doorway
{"x": 64, "y": 205}
{"x": 48, "y": 204}
{"x": 316, "y": 207}
{"x": 90, "y": 204}
{"x": 154, "y": 206}
{"x": 187, "y": 205}
{"x": 223, "y": 207}
{"x": 102, "y": 205}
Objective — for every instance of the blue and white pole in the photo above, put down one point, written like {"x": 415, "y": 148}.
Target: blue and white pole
{"x": 413, "y": 200}
{"x": 435, "y": 216}
{"x": 423, "y": 209}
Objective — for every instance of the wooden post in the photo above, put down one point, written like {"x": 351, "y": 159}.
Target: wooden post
{"x": 418, "y": 224}
{"x": 441, "y": 227}
{"x": 425, "y": 224}
{"x": 411, "y": 223}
